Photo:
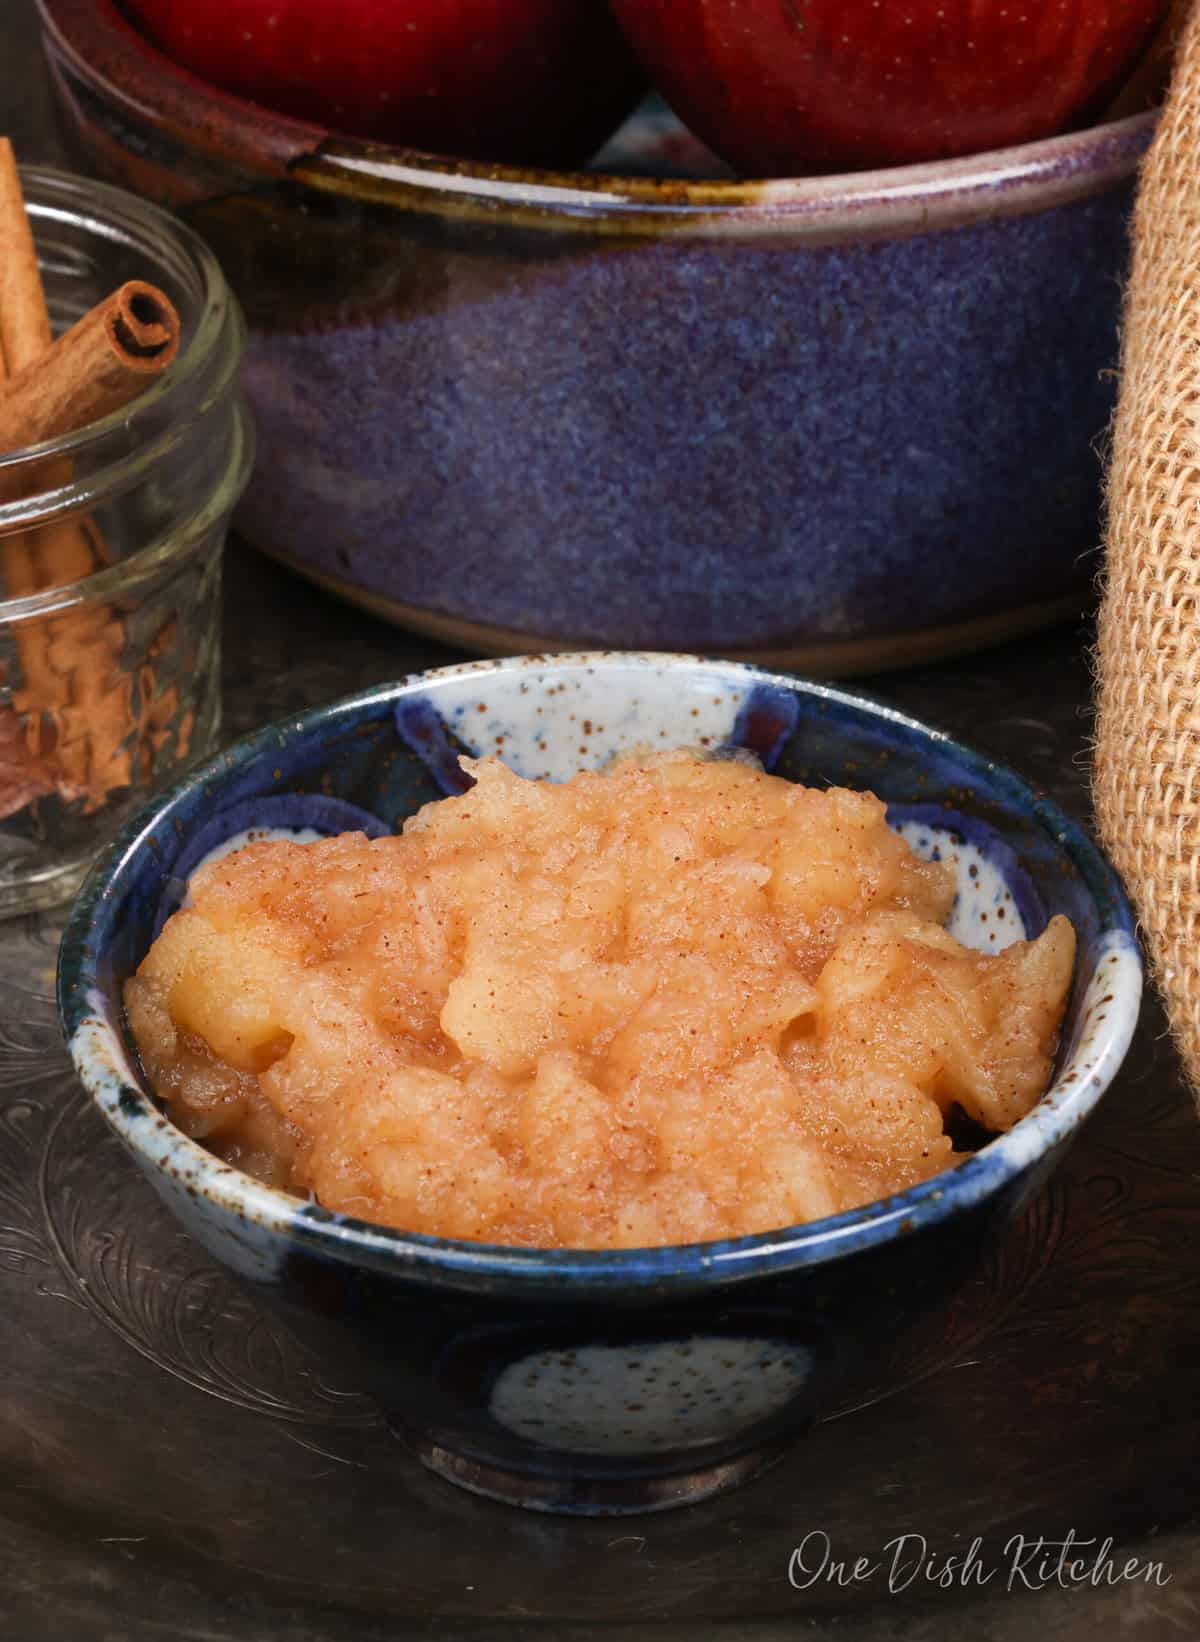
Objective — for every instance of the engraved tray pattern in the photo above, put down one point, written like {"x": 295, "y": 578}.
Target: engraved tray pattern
{"x": 170, "y": 1456}
{"x": 171, "y": 1467}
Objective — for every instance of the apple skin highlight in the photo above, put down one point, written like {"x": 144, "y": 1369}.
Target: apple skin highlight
{"x": 800, "y": 87}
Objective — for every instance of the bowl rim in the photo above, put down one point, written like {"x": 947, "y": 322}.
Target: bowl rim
{"x": 125, "y": 1101}
{"x": 890, "y": 202}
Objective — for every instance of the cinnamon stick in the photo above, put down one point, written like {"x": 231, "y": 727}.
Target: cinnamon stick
{"x": 103, "y": 362}
{"x": 71, "y": 726}
{"x": 72, "y": 667}
{"x": 24, "y": 776}
{"x": 24, "y": 318}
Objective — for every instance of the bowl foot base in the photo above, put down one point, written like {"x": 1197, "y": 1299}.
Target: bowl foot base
{"x": 579, "y": 1495}
{"x": 814, "y": 657}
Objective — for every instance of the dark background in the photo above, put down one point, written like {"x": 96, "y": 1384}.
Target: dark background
{"x": 171, "y": 1468}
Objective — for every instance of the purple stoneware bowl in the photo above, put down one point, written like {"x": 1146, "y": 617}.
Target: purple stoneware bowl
{"x": 834, "y": 423}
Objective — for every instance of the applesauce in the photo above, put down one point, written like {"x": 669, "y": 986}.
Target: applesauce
{"x": 678, "y": 1000}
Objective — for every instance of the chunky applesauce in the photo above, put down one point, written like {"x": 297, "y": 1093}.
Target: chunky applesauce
{"x": 676, "y": 1001}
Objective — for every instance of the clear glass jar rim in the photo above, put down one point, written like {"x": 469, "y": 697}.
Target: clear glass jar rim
{"x": 116, "y": 206}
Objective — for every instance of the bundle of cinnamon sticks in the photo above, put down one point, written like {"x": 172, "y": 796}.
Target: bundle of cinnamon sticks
{"x": 68, "y": 727}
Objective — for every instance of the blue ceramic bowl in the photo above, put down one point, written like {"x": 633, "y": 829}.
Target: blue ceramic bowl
{"x": 627, "y": 1380}
{"x": 829, "y": 423}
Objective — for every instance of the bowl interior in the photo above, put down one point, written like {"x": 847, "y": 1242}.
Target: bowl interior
{"x": 653, "y": 168}
{"x": 394, "y": 749}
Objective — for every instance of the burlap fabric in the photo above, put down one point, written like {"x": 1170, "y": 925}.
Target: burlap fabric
{"x": 1147, "y": 769}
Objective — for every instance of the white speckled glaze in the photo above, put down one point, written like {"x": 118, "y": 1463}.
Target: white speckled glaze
{"x": 647, "y": 1398}
{"x": 985, "y": 915}
{"x": 552, "y": 730}
{"x": 611, "y": 1380}
{"x": 534, "y": 712}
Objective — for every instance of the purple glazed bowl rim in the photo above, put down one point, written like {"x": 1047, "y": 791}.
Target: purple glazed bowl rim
{"x": 123, "y": 69}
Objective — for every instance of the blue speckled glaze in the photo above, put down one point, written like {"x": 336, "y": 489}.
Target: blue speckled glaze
{"x": 765, "y": 723}
{"x": 421, "y": 729}
{"x": 472, "y": 1346}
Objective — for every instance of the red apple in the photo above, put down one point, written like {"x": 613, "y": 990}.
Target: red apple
{"x": 791, "y": 87}
{"x": 524, "y": 81}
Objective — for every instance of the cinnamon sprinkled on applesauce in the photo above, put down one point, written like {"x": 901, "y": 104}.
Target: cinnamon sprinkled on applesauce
{"x": 676, "y": 1001}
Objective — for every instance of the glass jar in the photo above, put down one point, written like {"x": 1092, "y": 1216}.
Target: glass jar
{"x": 110, "y": 552}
